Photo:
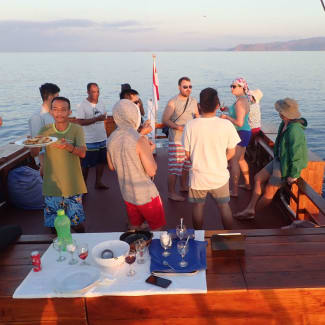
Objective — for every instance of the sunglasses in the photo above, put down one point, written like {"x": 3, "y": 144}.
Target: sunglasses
{"x": 185, "y": 87}
{"x": 137, "y": 102}
{"x": 234, "y": 86}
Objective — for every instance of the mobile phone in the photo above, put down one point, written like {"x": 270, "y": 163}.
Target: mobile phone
{"x": 160, "y": 282}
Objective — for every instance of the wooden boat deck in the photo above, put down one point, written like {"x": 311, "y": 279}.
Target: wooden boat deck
{"x": 280, "y": 280}
{"x": 105, "y": 210}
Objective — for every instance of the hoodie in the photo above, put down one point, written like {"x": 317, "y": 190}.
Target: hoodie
{"x": 291, "y": 148}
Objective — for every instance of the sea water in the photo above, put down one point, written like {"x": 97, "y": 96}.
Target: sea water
{"x": 299, "y": 75}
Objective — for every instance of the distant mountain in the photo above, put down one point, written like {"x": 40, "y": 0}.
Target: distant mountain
{"x": 307, "y": 44}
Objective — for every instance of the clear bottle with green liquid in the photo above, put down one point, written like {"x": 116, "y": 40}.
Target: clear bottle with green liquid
{"x": 62, "y": 226}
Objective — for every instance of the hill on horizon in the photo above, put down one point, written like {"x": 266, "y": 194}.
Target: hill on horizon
{"x": 307, "y": 44}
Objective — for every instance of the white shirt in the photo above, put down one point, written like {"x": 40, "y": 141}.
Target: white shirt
{"x": 207, "y": 141}
{"x": 254, "y": 117}
{"x": 95, "y": 132}
{"x": 39, "y": 120}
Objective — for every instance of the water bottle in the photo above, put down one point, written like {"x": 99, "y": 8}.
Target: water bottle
{"x": 62, "y": 226}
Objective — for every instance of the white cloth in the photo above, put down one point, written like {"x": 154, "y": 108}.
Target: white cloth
{"x": 254, "y": 117}
{"x": 38, "y": 121}
{"x": 41, "y": 284}
{"x": 207, "y": 140}
{"x": 93, "y": 132}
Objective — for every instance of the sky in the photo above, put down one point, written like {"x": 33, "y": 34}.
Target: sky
{"x": 143, "y": 25}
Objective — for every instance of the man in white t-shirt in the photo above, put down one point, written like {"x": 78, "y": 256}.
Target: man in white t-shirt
{"x": 209, "y": 143}
{"x": 91, "y": 114}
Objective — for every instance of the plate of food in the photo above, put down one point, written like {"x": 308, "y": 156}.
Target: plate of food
{"x": 37, "y": 141}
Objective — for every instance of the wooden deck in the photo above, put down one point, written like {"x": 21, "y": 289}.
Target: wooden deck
{"x": 280, "y": 280}
{"x": 105, "y": 211}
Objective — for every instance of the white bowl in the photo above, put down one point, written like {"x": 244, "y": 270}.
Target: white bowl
{"x": 119, "y": 248}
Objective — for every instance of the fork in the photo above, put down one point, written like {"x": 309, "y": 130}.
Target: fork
{"x": 167, "y": 264}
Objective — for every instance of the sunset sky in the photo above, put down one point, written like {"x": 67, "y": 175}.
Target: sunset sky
{"x": 129, "y": 25}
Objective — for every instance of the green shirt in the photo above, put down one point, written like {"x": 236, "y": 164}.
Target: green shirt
{"x": 62, "y": 170}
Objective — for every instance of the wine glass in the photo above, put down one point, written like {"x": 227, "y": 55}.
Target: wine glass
{"x": 71, "y": 248}
{"x": 182, "y": 248}
{"x": 130, "y": 259}
{"x": 58, "y": 246}
{"x": 141, "y": 246}
{"x": 181, "y": 231}
{"x": 82, "y": 250}
{"x": 165, "y": 242}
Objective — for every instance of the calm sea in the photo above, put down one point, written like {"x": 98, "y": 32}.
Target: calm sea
{"x": 278, "y": 74}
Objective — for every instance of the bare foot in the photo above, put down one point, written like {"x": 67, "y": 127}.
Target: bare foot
{"x": 176, "y": 197}
{"x": 246, "y": 187}
{"x": 101, "y": 186}
{"x": 245, "y": 215}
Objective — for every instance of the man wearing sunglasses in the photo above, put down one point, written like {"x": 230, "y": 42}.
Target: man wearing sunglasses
{"x": 179, "y": 110}
{"x": 91, "y": 114}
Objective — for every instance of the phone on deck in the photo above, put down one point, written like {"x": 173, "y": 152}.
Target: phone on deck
{"x": 160, "y": 282}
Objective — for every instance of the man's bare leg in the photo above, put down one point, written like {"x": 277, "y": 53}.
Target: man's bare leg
{"x": 171, "y": 188}
{"x": 184, "y": 181}
{"x": 99, "y": 174}
{"x": 197, "y": 215}
{"x": 226, "y": 215}
{"x": 260, "y": 179}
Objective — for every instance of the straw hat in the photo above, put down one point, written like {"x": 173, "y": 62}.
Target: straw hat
{"x": 257, "y": 94}
{"x": 288, "y": 107}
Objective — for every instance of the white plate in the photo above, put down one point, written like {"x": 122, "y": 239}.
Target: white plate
{"x": 21, "y": 143}
{"x": 76, "y": 278}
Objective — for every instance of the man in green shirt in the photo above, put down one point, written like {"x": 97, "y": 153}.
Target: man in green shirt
{"x": 63, "y": 184}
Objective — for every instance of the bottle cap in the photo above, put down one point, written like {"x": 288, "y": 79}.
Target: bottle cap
{"x": 60, "y": 212}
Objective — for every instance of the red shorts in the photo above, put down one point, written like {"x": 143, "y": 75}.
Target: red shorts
{"x": 152, "y": 212}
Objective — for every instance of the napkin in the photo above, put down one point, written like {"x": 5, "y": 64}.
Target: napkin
{"x": 196, "y": 257}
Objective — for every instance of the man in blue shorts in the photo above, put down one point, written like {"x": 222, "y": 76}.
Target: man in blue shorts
{"x": 63, "y": 183}
{"x": 91, "y": 114}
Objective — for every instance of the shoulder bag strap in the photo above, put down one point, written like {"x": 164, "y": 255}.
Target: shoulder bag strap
{"x": 188, "y": 98}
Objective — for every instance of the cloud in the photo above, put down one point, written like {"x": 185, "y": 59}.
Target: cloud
{"x": 69, "y": 35}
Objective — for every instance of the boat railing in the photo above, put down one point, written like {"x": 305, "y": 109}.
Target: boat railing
{"x": 305, "y": 195}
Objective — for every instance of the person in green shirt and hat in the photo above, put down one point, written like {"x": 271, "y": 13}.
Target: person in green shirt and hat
{"x": 290, "y": 158}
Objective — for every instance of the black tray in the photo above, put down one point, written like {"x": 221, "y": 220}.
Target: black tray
{"x": 131, "y": 236}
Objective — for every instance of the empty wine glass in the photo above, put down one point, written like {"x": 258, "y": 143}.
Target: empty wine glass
{"x": 181, "y": 231}
{"x": 71, "y": 248}
{"x": 58, "y": 246}
{"x": 82, "y": 250}
{"x": 182, "y": 248}
{"x": 130, "y": 259}
{"x": 165, "y": 242}
{"x": 141, "y": 247}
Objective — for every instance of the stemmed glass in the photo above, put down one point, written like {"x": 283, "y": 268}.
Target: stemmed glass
{"x": 82, "y": 250}
{"x": 182, "y": 248}
{"x": 140, "y": 246}
{"x": 130, "y": 259}
{"x": 165, "y": 242}
{"x": 58, "y": 246}
{"x": 181, "y": 231}
{"x": 71, "y": 248}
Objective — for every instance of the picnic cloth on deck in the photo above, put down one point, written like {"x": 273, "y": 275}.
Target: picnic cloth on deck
{"x": 196, "y": 257}
{"x": 41, "y": 284}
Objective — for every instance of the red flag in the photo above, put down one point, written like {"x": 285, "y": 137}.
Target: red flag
{"x": 155, "y": 79}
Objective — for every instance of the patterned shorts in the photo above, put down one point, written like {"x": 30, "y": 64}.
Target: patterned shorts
{"x": 176, "y": 159}
{"x": 72, "y": 205}
{"x": 274, "y": 169}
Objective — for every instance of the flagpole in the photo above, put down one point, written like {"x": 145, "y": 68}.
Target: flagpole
{"x": 155, "y": 99}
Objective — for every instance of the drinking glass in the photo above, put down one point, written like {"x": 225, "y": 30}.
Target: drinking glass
{"x": 71, "y": 248}
{"x": 58, "y": 246}
{"x": 82, "y": 250}
{"x": 141, "y": 247}
{"x": 130, "y": 259}
{"x": 165, "y": 242}
{"x": 182, "y": 248}
{"x": 181, "y": 231}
